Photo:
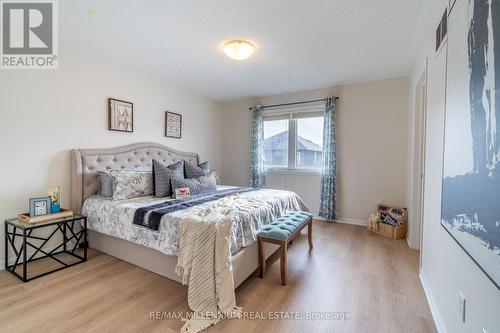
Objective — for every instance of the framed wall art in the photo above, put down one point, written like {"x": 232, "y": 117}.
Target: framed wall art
{"x": 120, "y": 115}
{"x": 173, "y": 125}
{"x": 470, "y": 210}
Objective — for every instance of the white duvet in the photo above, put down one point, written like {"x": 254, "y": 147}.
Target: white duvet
{"x": 252, "y": 210}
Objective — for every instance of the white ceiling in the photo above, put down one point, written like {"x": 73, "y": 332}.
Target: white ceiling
{"x": 301, "y": 45}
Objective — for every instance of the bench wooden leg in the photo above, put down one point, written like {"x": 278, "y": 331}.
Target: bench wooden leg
{"x": 309, "y": 234}
{"x": 283, "y": 262}
{"x": 262, "y": 259}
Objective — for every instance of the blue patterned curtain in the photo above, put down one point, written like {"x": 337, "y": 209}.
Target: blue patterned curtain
{"x": 257, "y": 169}
{"x": 328, "y": 203}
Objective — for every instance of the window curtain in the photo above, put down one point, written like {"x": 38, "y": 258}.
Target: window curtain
{"x": 328, "y": 203}
{"x": 257, "y": 169}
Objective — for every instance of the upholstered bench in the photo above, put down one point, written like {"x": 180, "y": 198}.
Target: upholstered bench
{"x": 281, "y": 232}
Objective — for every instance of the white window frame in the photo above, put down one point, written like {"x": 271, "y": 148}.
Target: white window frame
{"x": 292, "y": 114}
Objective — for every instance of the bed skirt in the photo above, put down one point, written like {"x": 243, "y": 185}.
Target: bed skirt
{"x": 245, "y": 261}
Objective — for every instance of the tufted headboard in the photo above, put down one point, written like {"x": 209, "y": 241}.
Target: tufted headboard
{"x": 86, "y": 162}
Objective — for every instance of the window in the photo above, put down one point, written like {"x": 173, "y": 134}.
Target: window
{"x": 293, "y": 140}
{"x": 276, "y": 143}
{"x": 309, "y": 142}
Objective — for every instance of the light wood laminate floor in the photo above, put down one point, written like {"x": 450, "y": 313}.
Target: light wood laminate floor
{"x": 372, "y": 278}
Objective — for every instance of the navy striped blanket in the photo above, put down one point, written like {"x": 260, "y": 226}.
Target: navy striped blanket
{"x": 150, "y": 216}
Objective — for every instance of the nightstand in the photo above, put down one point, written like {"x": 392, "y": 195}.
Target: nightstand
{"x": 27, "y": 246}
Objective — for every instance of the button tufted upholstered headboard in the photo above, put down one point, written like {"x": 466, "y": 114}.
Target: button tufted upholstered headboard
{"x": 86, "y": 162}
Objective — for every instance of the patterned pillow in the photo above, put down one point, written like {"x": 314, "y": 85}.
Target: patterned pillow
{"x": 192, "y": 170}
{"x": 162, "y": 175}
{"x": 201, "y": 184}
{"x": 107, "y": 181}
{"x": 131, "y": 184}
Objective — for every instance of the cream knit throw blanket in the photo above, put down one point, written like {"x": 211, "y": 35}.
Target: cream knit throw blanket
{"x": 204, "y": 264}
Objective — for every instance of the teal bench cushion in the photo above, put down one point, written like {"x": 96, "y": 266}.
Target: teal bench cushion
{"x": 282, "y": 228}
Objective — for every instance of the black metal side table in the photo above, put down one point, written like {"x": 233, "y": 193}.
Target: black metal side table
{"x": 20, "y": 238}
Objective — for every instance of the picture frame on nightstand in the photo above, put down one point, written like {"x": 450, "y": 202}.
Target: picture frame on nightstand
{"x": 39, "y": 206}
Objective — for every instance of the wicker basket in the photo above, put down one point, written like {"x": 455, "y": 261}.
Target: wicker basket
{"x": 387, "y": 230}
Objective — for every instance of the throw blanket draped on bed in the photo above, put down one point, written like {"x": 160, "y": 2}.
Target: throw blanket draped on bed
{"x": 204, "y": 264}
{"x": 150, "y": 216}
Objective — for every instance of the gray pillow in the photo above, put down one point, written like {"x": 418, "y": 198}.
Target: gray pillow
{"x": 192, "y": 170}
{"x": 162, "y": 175}
{"x": 106, "y": 181}
{"x": 201, "y": 184}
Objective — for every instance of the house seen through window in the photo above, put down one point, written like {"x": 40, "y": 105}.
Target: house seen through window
{"x": 295, "y": 142}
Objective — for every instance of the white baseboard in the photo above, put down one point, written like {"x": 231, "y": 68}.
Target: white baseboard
{"x": 408, "y": 241}
{"x": 438, "y": 321}
{"x": 345, "y": 220}
{"x": 12, "y": 259}
{"x": 351, "y": 221}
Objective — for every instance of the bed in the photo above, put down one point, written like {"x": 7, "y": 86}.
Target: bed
{"x": 110, "y": 222}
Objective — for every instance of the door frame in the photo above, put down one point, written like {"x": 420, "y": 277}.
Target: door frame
{"x": 418, "y": 159}
{"x": 422, "y": 138}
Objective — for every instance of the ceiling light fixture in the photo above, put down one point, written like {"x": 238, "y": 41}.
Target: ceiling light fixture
{"x": 239, "y": 49}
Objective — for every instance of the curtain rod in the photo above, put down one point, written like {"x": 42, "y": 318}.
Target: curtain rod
{"x": 293, "y": 103}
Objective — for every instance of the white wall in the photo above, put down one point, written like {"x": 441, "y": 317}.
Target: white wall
{"x": 446, "y": 269}
{"x": 371, "y": 146}
{"x": 44, "y": 114}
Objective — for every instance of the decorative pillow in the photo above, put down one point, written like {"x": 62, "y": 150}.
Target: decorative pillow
{"x": 201, "y": 184}
{"x": 130, "y": 184}
{"x": 162, "y": 175}
{"x": 192, "y": 170}
{"x": 106, "y": 181}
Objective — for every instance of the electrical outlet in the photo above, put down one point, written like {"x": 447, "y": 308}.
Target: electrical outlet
{"x": 461, "y": 306}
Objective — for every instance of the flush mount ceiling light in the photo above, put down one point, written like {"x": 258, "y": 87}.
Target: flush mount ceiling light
{"x": 239, "y": 49}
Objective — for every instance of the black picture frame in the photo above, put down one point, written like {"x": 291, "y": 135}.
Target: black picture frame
{"x": 173, "y": 125}
{"x": 112, "y": 124}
